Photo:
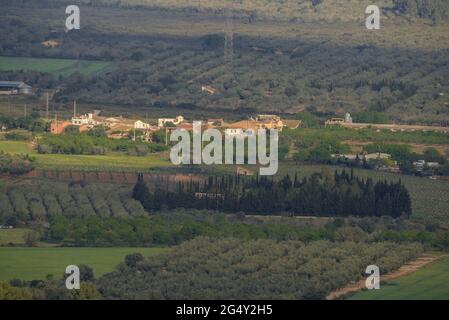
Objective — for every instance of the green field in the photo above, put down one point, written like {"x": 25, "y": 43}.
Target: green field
{"x": 37, "y": 263}
{"x": 428, "y": 283}
{"x": 55, "y": 66}
{"x": 113, "y": 161}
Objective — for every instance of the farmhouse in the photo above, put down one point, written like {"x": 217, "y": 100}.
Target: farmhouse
{"x": 176, "y": 121}
{"x": 89, "y": 119}
{"x": 14, "y": 87}
{"x": 141, "y": 125}
{"x": 58, "y": 127}
{"x": 257, "y": 124}
{"x": 113, "y": 123}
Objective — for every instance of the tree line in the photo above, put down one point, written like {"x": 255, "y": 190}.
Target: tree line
{"x": 322, "y": 194}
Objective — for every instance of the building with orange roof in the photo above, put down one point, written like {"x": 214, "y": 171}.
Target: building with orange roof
{"x": 58, "y": 127}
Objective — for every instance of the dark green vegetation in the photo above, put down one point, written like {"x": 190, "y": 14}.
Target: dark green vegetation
{"x": 15, "y": 164}
{"x": 164, "y": 57}
{"x": 435, "y": 10}
{"x": 40, "y": 202}
{"x": 91, "y": 143}
{"x": 31, "y": 123}
{"x": 323, "y": 194}
{"x": 174, "y": 227}
{"x": 315, "y": 144}
{"x": 207, "y": 268}
{"x": 428, "y": 283}
{"x": 430, "y": 198}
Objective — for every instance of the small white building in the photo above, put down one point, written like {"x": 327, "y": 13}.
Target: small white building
{"x": 85, "y": 120}
{"x": 239, "y": 132}
{"x": 140, "y": 125}
{"x": 176, "y": 121}
{"x": 348, "y": 118}
{"x": 420, "y": 164}
{"x": 233, "y": 132}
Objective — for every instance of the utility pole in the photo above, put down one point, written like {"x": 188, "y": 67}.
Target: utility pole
{"x": 229, "y": 49}
{"x": 46, "y": 108}
{"x": 25, "y": 110}
{"x": 74, "y": 108}
{"x": 166, "y": 136}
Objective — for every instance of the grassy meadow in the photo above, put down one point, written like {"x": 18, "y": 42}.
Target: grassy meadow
{"x": 63, "y": 67}
{"x": 37, "y": 263}
{"x": 429, "y": 283}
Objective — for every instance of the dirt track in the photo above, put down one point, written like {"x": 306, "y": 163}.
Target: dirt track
{"x": 406, "y": 269}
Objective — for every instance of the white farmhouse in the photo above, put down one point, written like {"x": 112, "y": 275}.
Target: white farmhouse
{"x": 140, "y": 125}
{"x": 176, "y": 121}
{"x": 85, "y": 120}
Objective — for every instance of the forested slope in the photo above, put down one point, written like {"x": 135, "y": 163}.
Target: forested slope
{"x": 303, "y": 10}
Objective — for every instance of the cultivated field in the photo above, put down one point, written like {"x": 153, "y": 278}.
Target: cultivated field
{"x": 37, "y": 263}
{"x": 113, "y": 161}
{"x": 428, "y": 283}
{"x": 64, "y": 67}
{"x": 430, "y": 198}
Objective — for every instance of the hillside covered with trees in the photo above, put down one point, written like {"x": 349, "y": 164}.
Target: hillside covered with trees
{"x": 161, "y": 53}
{"x": 207, "y": 268}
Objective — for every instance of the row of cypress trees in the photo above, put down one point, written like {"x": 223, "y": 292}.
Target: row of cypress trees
{"x": 321, "y": 194}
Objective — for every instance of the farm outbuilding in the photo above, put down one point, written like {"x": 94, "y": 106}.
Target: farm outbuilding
{"x": 15, "y": 87}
